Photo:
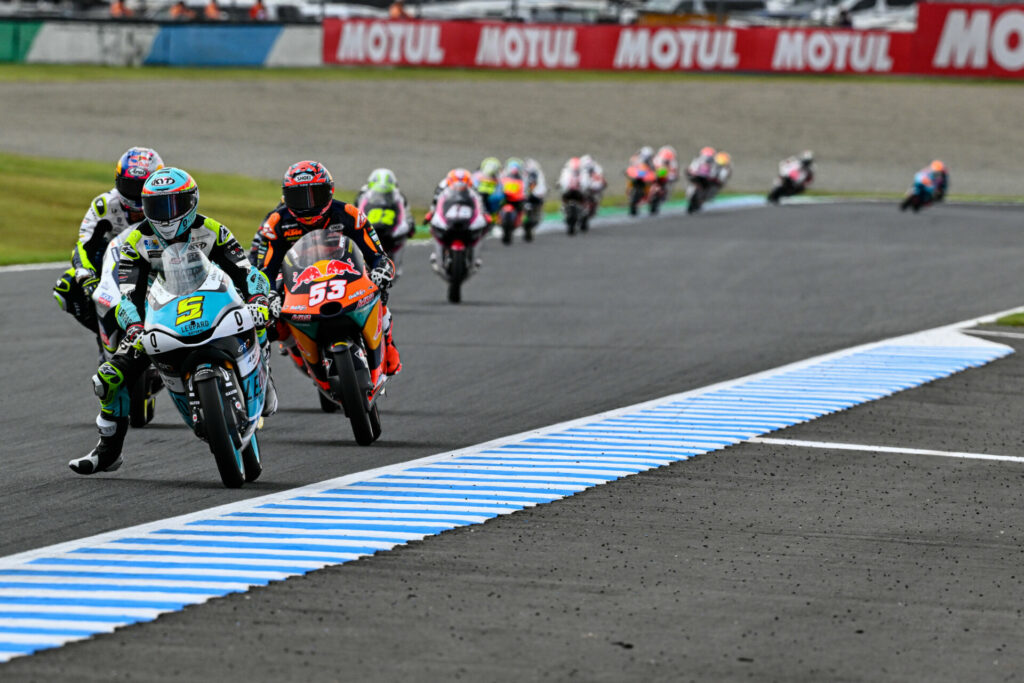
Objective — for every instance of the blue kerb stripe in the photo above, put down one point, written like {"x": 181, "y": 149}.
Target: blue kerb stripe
{"x": 327, "y": 558}
{"x": 114, "y": 588}
{"x": 91, "y": 602}
{"x": 426, "y": 498}
{"x": 45, "y": 631}
{"x": 197, "y": 578}
{"x": 65, "y": 616}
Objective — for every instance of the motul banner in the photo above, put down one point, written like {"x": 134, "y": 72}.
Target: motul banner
{"x": 953, "y": 39}
{"x": 970, "y": 40}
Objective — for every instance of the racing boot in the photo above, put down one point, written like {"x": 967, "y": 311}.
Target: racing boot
{"x": 392, "y": 359}
{"x": 106, "y": 456}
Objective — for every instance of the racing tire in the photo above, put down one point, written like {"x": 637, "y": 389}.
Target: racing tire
{"x": 571, "y": 217}
{"x": 635, "y": 195}
{"x": 775, "y": 195}
{"x": 353, "y": 400}
{"x": 655, "y": 205}
{"x": 695, "y": 201}
{"x": 375, "y": 422}
{"x": 456, "y": 276}
{"x": 584, "y": 223}
{"x": 251, "y": 460}
{"x": 508, "y": 226}
{"x": 327, "y": 405}
{"x": 142, "y": 404}
{"x": 218, "y": 432}
{"x": 528, "y": 233}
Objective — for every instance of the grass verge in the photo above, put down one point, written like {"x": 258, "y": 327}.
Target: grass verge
{"x": 86, "y": 72}
{"x": 1014, "y": 320}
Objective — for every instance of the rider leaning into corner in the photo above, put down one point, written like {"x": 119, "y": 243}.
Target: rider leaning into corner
{"x": 110, "y": 214}
{"x": 170, "y": 198}
{"x": 309, "y": 204}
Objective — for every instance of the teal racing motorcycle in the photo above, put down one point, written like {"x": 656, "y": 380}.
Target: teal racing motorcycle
{"x": 204, "y": 343}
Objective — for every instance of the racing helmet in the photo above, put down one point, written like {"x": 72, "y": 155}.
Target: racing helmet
{"x": 307, "y": 191}
{"x": 458, "y": 175}
{"x": 807, "y": 157}
{"x": 131, "y": 172}
{"x": 646, "y": 154}
{"x": 667, "y": 153}
{"x": 587, "y": 162}
{"x": 707, "y": 152}
{"x": 723, "y": 159}
{"x": 490, "y": 167}
{"x": 938, "y": 166}
{"x": 514, "y": 163}
{"x": 382, "y": 182}
{"x": 575, "y": 164}
{"x": 170, "y": 198}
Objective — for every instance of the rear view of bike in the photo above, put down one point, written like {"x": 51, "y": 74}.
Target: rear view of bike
{"x": 202, "y": 339}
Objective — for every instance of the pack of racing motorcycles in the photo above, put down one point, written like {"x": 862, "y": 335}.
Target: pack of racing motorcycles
{"x": 176, "y": 303}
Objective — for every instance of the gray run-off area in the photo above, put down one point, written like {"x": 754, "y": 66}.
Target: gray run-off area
{"x": 755, "y": 562}
{"x": 868, "y": 136}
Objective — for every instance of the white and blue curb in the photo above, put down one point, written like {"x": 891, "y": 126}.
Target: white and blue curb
{"x": 72, "y": 591}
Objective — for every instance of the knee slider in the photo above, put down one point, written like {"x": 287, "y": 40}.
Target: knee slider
{"x": 107, "y": 380}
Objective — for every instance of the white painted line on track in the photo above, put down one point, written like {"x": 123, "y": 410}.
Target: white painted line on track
{"x": 997, "y": 333}
{"x": 827, "y": 445}
{"x": 71, "y": 591}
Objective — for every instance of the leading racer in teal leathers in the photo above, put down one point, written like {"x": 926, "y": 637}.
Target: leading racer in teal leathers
{"x": 170, "y": 199}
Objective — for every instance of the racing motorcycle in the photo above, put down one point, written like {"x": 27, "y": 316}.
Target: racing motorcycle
{"x": 203, "y": 341}
{"x": 701, "y": 187}
{"x": 457, "y": 226}
{"x": 643, "y": 186}
{"x": 142, "y": 406}
{"x": 793, "y": 179}
{"x": 920, "y": 194}
{"x": 510, "y": 215}
{"x": 388, "y": 218}
{"x": 336, "y": 315}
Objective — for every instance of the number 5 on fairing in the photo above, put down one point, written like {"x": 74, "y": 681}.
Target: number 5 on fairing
{"x": 189, "y": 309}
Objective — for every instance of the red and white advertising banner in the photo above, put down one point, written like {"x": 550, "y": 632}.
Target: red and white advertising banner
{"x": 953, "y": 39}
{"x": 970, "y": 40}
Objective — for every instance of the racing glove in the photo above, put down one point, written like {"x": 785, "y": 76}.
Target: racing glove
{"x": 259, "y": 308}
{"x": 132, "y": 339}
{"x": 384, "y": 274}
{"x": 275, "y": 301}
{"x": 87, "y": 280}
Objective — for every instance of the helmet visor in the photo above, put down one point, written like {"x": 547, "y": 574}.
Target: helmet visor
{"x": 305, "y": 200}
{"x": 168, "y": 207}
{"x": 130, "y": 188}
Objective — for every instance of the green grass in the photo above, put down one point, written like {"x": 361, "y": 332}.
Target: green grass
{"x": 65, "y": 73}
{"x": 44, "y": 201}
{"x": 1014, "y": 319}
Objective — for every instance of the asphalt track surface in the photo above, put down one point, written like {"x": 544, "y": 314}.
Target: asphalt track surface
{"x": 761, "y": 561}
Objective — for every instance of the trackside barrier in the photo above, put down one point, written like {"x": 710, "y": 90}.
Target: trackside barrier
{"x": 958, "y": 39}
{"x": 951, "y": 39}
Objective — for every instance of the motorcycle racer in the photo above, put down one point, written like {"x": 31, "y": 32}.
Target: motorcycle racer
{"x": 723, "y": 171}
{"x": 486, "y": 181}
{"x": 940, "y": 176}
{"x": 795, "y": 174}
{"x": 584, "y": 175}
{"x": 395, "y": 225}
{"x": 110, "y": 214}
{"x": 704, "y": 159}
{"x": 456, "y": 175}
{"x": 309, "y": 204}
{"x": 538, "y": 189}
{"x": 170, "y": 199}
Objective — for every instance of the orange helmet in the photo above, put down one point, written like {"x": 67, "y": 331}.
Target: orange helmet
{"x": 458, "y": 175}
{"x": 938, "y": 166}
{"x": 723, "y": 159}
{"x": 708, "y": 152}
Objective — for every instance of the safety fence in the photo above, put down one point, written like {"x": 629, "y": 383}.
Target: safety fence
{"x": 966, "y": 39}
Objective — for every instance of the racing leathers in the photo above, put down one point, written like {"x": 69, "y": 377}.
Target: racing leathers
{"x": 537, "y": 189}
{"x": 106, "y": 218}
{"x": 141, "y": 260}
{"x": 280, "y": 230}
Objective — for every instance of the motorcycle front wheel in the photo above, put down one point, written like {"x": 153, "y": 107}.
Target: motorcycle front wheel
{"x": 456, "y": 275}
{"x": 219, "y": 426}
{"x": 352, "y": 399}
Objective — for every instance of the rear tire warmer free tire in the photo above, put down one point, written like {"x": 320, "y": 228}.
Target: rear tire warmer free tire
{"x": 456, "y": 276}
{"x": 352, "y": 399}
{"x": 229, "y": 460}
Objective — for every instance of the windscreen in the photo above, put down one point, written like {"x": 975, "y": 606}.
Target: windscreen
{"x": 185, "y": 269}
{"x": 320, "y": 253}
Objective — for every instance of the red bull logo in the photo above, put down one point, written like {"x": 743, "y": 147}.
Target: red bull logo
{"x": 333, "y": 267}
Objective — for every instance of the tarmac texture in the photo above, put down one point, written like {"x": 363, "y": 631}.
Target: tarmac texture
{"x": 764, "y": 562}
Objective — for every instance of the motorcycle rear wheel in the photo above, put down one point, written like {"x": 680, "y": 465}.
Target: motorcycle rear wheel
{"x": 353, "y": 400}
{"x": 218, "y": 432}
